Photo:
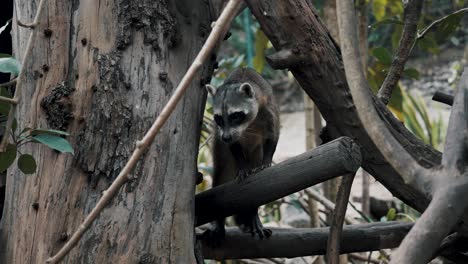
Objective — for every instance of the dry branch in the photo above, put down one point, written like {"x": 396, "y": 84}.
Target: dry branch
{"x": 338, "y": 157}
{"x": 408, "y": 39}
{"x": 336, "y": 227}
{"x": 443, "y": 98}
{"x": 377, "y": 129}
{"x": 297, "y": 242}
{"x": 21, "y": 76}
{"x": 216, "y": 34}
{"x": 451, "y": 189}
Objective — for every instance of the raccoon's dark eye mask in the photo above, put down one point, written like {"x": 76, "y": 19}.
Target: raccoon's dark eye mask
{"x": 236, "y": 118}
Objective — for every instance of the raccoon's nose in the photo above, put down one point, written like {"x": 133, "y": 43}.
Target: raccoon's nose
{"x": 227, "y": 138}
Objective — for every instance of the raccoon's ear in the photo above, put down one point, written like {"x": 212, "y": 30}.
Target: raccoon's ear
{"x": 247, "y": 89}
{"x": 210, "y": 89}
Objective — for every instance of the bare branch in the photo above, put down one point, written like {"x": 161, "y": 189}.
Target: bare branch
{"x": 329, "y": 205}
{"x": 408, "y": 39}
{"x": 336, "y": 227}
{"x": 9, "y": 83}
{"x": 327, "y": 161}
{"x": 436, "y": 22}
{"x": 216, "y": 34}
{"x": 297, "y": 242}
{"x": 390, "y": 148}
{"x": 443, "y": 98}
{"x": 21, "y": 76}
{"x": 451, "y": 189}
{"x": 455, "y": 152}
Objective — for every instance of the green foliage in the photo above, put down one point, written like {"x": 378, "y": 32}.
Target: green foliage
{"x": 383, "y": 55}
{"x": 27, "y": 164}
{"x": 7, "y": 157}
{"x": 54, "y": 142}
{"x": 417, "y": 120}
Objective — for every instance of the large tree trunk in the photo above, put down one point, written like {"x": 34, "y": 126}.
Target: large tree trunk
{"x": 103, "y": 75}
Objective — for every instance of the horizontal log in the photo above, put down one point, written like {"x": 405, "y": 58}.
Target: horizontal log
{"x": 338, "y": 157}
{"x": 297, "y": 242}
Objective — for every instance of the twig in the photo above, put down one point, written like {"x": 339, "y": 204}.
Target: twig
{"x": 329, "y": 205}
{"x": 443, "y": 98}
{"x": 436, "y": 22}
{"x": 8, "y": 100}
{"x": 413, "y": 174}
{"x": 9, "y": 83}
{"x": 408, "y": 38}
{"x": 216, "y": 34}
{"x": 336, "y": 227}
{"x": 19, "y": 80}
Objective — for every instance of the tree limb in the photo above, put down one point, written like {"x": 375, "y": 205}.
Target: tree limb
{"x": 327, "y": 161}
{"x": 296, "y": 242}
{"x": 451, "y": 189}
{"x": 411, "y": 16}
{"x": 390, "y": 148}
{"x": 443, "y": 98}
{"x": 215, "y": 36}
{"x": 294, "y": 25}
{"x": 336, "y": 227}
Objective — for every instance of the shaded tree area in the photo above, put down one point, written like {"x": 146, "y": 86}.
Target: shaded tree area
{"x": 104, "y": 70}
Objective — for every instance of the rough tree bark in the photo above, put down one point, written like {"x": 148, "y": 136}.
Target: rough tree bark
{"x": 103, "y": 74}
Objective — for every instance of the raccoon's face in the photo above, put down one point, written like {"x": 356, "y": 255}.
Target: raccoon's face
{"x": 235, "y": 108}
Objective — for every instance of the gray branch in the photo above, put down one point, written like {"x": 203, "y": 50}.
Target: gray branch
{"x": 297, "y": 242}
{"x": 338, "y": 157}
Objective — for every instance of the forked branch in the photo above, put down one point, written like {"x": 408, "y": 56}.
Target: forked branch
{"x": 215, "y": 36}
{"x": 390, "y": 148}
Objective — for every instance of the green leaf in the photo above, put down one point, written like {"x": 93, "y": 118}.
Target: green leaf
{"x": 428, "y": 44}
{"x": 4, "y": 55}
{"x": 8, "y": 157}
{"x": 27, "y": 164}
{"x": 5, "y": 26}
{"x": 261, "y": 43}
{"x": 391, "y": 214}
{"x": 379, "y": 9}
{"x": 48, "y": 131}
{"x": 448, "y": 26}
{"x": 54, "y": 142}
{"x": 9, "y": 65}
{"x": 383, "y": 55}
{"x": 396, "y": 36}
{"x": 411, "y": 73}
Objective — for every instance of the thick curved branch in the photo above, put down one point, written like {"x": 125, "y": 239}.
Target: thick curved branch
{"x": 390, "y": 148}
{"x": 297, "y": 242}
{"x": 408, "y": 39}
{"x": 217, "y": 33}
{"x": 294, "y": 25}
{"x": 451, "y": 189}
{"x": 336, "y": 227}
{"x": 338, "y": 157}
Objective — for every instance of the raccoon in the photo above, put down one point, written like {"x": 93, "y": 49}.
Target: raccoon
{"x": 245, "y": 137}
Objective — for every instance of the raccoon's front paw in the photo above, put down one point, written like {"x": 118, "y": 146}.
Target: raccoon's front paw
{"x": 242, "y": 175}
